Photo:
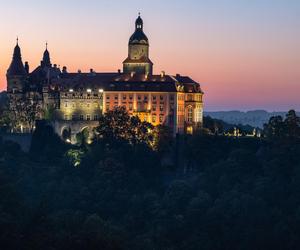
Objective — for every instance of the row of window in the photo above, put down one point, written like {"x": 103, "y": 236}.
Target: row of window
{"x": 96, "y": 118}
{"x": 82, "y": 117}
{"x": 192, "y": 97}
{"x": 142, "y": 106}
{"x": 82, "y": 104}
{"x": 139, "y": 97}
{"x": 81, "y": 95}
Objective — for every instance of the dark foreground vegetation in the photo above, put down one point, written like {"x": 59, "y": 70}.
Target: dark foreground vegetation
{"x": 126, "y": 191}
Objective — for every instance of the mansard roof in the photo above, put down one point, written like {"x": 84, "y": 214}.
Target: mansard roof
{"x": 122, "y": 82}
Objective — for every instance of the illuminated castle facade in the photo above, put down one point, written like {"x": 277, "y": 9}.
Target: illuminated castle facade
{"x": 75, "y": 101}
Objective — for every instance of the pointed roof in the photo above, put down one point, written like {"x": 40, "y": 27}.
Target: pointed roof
{"x": 16, "y": 67}
{"x": 46, "y": 57}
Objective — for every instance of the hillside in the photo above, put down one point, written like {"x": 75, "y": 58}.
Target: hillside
{"x": 255, "y": 118}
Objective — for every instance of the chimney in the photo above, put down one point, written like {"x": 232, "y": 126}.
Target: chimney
{"x": 64, "y": 70}
{"x": 119, "y": 71}
{"x": 162, "y": 74}
{"x": 26, "y": 67}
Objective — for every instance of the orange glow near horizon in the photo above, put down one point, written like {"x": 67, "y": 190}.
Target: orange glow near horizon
{"x": 243, "y": 58}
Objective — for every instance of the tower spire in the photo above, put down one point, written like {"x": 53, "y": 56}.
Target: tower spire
{"x": 46, "y": 57}
{"x": 16, "y": 67}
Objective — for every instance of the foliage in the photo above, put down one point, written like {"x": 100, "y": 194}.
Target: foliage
{"x": 219, "y": 127}
{"x": 117, "y": 125}
{"x": 75, "y": 156}
{"x": 277, "y": 127}
{"x": 23, "y": 112}
{"x": 223, "y": 193}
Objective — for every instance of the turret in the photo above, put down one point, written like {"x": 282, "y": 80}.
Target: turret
{"x": 16, "y": 73}
{"x": 46, "y": 62}
{"x": 16, "y": 67}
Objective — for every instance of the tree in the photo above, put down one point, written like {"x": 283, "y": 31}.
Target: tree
{"x": 275, "y": 128}
{"x": 116, "y": 125}
{"x": 292, "y": 124}
{"x": 24, "y": 111}
{"x": 279, "y": 128}
{"x": 163, "y": 139}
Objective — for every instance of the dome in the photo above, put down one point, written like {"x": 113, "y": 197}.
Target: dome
{"x": 138, "y": 37}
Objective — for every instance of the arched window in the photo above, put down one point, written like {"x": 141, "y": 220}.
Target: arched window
{"x": 190, "y": 114}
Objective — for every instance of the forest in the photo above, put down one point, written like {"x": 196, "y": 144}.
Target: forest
{"x": 137, "y": 187}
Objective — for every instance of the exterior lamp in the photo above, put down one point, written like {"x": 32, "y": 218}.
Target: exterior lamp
{"x": 101, "y": 90}
{"x": 89, "y": 90}
{"x": 71, "y": 90}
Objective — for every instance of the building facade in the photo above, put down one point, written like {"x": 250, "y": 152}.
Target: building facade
{"x": 75, "y": 101}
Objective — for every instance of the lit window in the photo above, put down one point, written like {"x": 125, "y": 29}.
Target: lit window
{"x": 153, "y": 118}
{"x": 190, "y": 114}
{"x": 161, "y": 118}
{"x": 130, "y": 106}
{"x": 161, "y": 107}
{"x": 154, "y": 107}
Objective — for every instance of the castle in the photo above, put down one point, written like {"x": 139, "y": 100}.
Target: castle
{"x": 75, "y": 101}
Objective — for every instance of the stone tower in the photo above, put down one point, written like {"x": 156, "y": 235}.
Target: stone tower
{"x": 138, "y": 52}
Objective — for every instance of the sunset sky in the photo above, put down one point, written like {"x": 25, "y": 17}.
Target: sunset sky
{"x": 245, "y": 53}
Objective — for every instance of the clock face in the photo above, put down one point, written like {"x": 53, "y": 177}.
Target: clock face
{"x": 137, "y": 53}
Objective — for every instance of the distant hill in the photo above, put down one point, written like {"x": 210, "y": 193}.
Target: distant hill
{"x": 255, "y": 118}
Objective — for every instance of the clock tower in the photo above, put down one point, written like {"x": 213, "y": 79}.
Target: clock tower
{"x": 138, "y": 52}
